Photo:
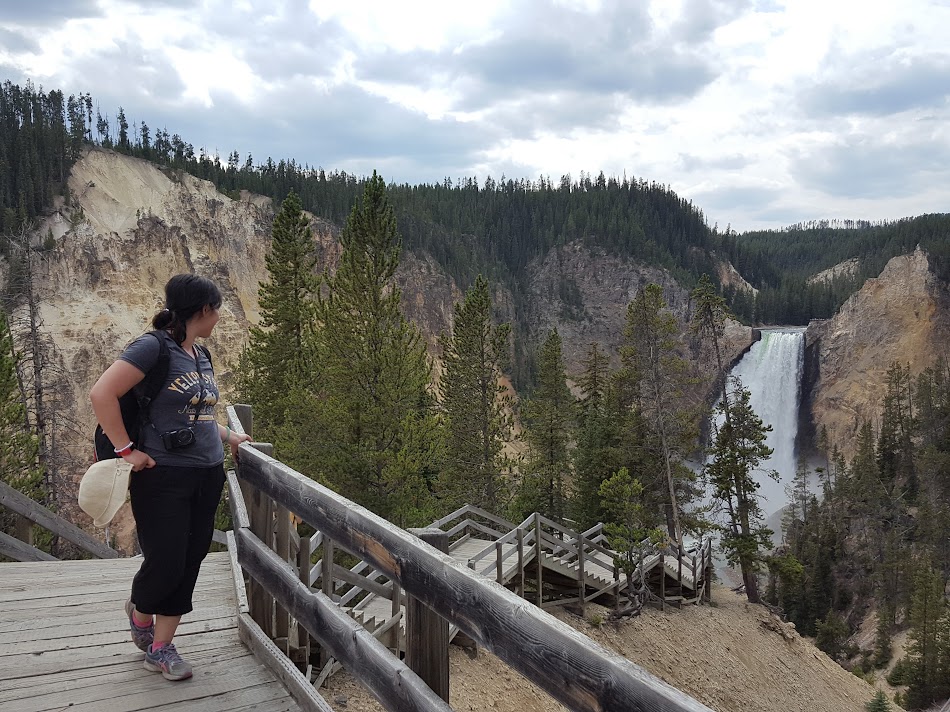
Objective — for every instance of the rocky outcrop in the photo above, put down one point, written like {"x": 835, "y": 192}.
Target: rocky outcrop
{"x": 584, "y": 293}
{"x": 848, "y": 268}
{"x": 903, "y": 316}
{"x": 729, "y": 277}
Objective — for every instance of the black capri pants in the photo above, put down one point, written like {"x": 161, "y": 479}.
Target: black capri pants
{"x": 174, "y": 511}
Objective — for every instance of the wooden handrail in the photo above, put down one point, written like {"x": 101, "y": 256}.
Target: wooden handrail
{"x": 470, "y": 524}
{"x": 388, "y": 679}
{"x": 21, "y": 551}
{"x": 594, "y": 531}
{"x": 472, "y": 509}
{"x": 575, "y": 670}
{"x": 38, "y": 514}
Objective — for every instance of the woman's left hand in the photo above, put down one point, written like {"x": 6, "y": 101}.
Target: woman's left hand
{"x": 234, "y": 442}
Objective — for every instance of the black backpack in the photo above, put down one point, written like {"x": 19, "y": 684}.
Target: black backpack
{"x": 134, "y": 405}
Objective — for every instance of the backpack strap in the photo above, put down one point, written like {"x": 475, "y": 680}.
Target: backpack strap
{"x": 154, "y": 380}
{"x": 207, "y": 354}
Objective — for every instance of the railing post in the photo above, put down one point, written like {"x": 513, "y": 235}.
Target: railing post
{"x": 520, "y": 534}
{"x": 537, "y": 555}
{"x": 246, "y": 416}
{"x": 303, "y": 573}
{"x": 679, "y": 570}
{"x": 499, "y": 564}
{"x": 662, "y": 581}
{"x": 581, "y": 573}
{"x": 282, "y": 629}
{"x": 326, "y": 567}
{"x": 396, "y": 605}
{"x": 707, "y": 570}
{"x": 696, "y": 587}
{"x": 262, "y": 524}
{"x": 326, "y": 584}
{"x": 427, "y": 633}
{"x": 617, "y": 585}
{"x": 260, "y": 607}
{"x": 23, "y": 529}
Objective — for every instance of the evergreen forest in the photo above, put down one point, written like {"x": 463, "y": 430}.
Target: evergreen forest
{"x": 874, "y": 536}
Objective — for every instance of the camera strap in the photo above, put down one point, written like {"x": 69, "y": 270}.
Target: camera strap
{"x": 201, "y": 388}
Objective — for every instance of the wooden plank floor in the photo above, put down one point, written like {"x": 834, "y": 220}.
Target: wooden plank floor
{"x": 65, "y": 644}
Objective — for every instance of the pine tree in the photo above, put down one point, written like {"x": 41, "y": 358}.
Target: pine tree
{"x": 379, "y": 435}
{"x": 278, "y": 366}
{"x": 878, "y": 703}
{"x": 799, "y": 497}
{"x": 738, "y": 448}
{"x": 709, "y": 322}
{"x": 895, "y": 461}
{"x": 19, "y": 445}
{"x": 123, "y": 143}
{"x": 598, "y": 451}
{"x": 831, "y": 634}
{"x": 627, "y": 529}
{"x": 476, "y": 405}
{"x": 786, "y": 573}
{"x": 595, "y": 379}
{"x": 865, "y": 483}
{"x": 923, "y": 662}
{"x": 660, "y": 379}
{"x": 549, "y": 431}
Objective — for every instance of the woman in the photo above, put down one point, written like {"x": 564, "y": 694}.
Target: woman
{"x": 177, "y": 468}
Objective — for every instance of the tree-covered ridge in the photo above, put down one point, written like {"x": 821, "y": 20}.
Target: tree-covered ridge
{"x": 495, "y": 226}
{"x": 779, "y": 262}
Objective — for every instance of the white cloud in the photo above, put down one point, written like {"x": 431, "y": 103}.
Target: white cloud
{"x": 762, "y": 112}
{"x": 411, "y": 24}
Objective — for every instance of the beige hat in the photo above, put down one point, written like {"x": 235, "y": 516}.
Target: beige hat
{"x": 103, "y": 488}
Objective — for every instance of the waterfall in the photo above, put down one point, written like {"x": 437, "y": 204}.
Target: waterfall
{"x": 771, "y": 371}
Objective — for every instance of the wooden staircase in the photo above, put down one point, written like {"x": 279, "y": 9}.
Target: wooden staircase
{"x": 569, "y": 567}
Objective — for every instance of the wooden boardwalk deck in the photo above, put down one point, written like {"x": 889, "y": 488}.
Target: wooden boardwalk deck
{"x": 65, "y": 645}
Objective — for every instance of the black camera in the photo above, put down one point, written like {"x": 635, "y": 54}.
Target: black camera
{"x": 177, "y": 439}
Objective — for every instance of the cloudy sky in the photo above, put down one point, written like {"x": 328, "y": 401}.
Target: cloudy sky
{"x": 762, "y": 112}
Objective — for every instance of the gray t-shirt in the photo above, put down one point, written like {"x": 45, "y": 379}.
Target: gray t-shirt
{"x": 190, "y": 390}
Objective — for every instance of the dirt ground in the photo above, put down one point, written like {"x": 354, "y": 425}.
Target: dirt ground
{"x": 731, "y": 656}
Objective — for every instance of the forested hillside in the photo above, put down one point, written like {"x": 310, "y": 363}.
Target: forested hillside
{"x": 780, "y": 262}
{"x": 872, "y": 538}
{"x": 494, "y": 226}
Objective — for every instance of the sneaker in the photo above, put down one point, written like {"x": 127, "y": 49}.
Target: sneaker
{"x": 142, "y": 637}
{"x": 168, "y": 662}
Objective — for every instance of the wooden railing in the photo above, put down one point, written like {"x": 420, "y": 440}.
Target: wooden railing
{"x": 36, "y": 513}
{"x": 574, "y": 670}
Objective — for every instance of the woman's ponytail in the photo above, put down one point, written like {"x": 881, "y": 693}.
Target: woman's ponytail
{"x": 185, "y": 296}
